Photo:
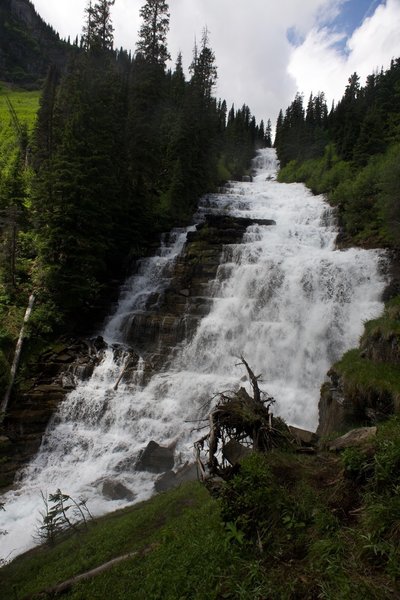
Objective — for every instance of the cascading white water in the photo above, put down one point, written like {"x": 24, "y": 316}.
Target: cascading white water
{"x": 285, "y": 299}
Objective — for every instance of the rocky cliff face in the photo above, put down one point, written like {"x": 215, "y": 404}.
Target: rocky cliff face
{"x": 167, "y": 321}
{"x": 54, "y": 375}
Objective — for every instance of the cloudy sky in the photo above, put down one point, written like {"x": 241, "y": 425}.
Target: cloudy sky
{"x": 266, "y": 50}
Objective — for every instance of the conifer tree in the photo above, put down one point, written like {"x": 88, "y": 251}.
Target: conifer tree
{"x": 152, "y": 43}
{"x": 268, "y": 134}
{"x": 203, "y": 68}
{"x": 98, "y": 32}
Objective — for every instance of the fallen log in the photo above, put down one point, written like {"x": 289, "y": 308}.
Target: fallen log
{"x": 65, "y": 586}
{"x": 124, "y": 369}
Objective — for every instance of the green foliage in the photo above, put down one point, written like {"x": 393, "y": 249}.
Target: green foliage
{"x": 27, "y": 44}
{"x": 387, "y": 457}
{"x": 354, "y": 461}
{"x": 61, "y": 513}
{"x": 267, "y": 512}
{"x": 153, "y": 32}
{"x": 390, "y": 193}
{"x": 122, "y": 151}
{"x": 292, "y": 527}
{"x": 359, "y": 371}
{"x": 98, "y": 33}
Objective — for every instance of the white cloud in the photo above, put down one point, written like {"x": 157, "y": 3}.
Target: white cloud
{"x": 319, "y": 64}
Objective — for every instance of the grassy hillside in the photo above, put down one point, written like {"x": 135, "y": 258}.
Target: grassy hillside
{"x": 25, "y": 105}
{"x": 286, "y": 526}
{"x": 18, "y": 110}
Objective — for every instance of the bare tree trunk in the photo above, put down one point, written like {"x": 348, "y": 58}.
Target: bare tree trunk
{"x": 17, "y": 354}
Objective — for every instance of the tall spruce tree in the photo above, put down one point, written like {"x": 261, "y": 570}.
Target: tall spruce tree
{"x": 203, "y": 68}
{"x": 98, "y": 32}
{"x": 152, "y": 43}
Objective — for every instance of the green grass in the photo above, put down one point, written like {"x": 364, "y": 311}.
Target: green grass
{"x": 364, "y": 373}
{"x": 25, "y": 104}
{"x": 369, "y": 385}
{"x": 178, "y": 535}
{"x": 286, "y": 527}
{"x": 387, "y": 326}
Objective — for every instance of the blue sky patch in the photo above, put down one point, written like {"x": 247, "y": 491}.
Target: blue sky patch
{"x": 353, "y": 14}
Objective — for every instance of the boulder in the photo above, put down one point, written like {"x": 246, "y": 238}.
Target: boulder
{"x": 234, "y": 452}
{"x": 355, "y": 437}
{"x": 166, "y": 481}
{"x": 126, "y": 464}
{"x": 155, "y": 459}
{"x": 170, "y": 479}
{"x": 303, "y": 437}
{"x": 115, "y": 490}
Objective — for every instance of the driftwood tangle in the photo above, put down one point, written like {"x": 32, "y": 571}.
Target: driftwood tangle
{"x": 245, "y": 419}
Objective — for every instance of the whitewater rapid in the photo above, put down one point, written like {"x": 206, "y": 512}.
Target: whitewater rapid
{"x": 285, "y": 299}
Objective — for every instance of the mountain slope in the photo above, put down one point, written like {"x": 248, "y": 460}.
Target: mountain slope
{"x": 27, "y": 44}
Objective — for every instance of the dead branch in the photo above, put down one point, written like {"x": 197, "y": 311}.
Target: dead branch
{"x": 124, "y": 369}
{"x": 253, "y": 380}
{"x": 241, "y": 419}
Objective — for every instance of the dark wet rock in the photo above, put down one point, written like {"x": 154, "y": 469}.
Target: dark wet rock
{"x": 115, "y": 490}
{"x": 304, "y": 437}
{"x": 155, "y": 459}
{"x": 166, "y": 482}
{"x": 172, "y": 479}
{"x": 55, "y": 374}
{"x": 343, "y": 405}
{"x": 234, "y": 452}
{"x": 99, "y": 343}
{"x": 126, "y": 464}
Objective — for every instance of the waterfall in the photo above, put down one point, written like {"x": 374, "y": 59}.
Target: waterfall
{"x": 285, "y": 299}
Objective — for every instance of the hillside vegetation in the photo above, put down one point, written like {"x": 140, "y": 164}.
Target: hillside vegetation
{"x": 18, "y": 109}
{"x": 286, "y": 526}
{"x": 28, "y": 45}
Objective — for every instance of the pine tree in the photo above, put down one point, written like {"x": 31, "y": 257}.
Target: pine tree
{"x": 203, "y": 68}
{"x": 152, "y": 43}
{"x": 98, "y": 32}
{"x": 268, "y": 134}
